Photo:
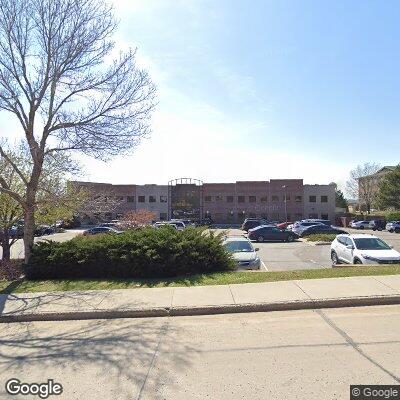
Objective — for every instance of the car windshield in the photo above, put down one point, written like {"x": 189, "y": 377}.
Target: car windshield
{"x": 239, "y": 246}
{"x": 371, "y": 244}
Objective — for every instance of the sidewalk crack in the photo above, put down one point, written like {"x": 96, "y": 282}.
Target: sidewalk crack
{"x": 233, "y": 298}
{"x": 385, "y": 284}
{"x": 355, "y": 345}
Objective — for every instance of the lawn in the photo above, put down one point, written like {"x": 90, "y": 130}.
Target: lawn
{"x": 221, "y": 278}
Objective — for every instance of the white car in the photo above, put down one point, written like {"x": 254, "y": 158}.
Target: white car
{"x": 243, "y": 252}
{"x": 393, "y": 226}
{"x": 360, "y": 224}
{"x": 362, "y": 249}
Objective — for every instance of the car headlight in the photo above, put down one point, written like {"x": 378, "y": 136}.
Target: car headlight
{"x": 255, "y": 261}
{"x": 367, "y": 257}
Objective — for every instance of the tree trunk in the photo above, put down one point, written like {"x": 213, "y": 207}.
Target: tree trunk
{"x": 5, "y": 244}
{"x": 29, "y": 230}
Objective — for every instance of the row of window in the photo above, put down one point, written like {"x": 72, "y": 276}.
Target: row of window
{"x": 229, "y": 199}
{"x": 142, "y": 199}
{"x": 264, "y": 199}
{"x": 252, "y": 199}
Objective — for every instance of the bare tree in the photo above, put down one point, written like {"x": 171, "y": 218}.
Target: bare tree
{"x": 362, "y": 185}
{"x": 137, "y": 219}
{"x": 55, "y": 81}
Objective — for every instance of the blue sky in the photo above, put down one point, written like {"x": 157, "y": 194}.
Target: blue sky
{"x": 252, "y": 90}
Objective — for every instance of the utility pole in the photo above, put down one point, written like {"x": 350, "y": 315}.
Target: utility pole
{"x": 284, "y": 187}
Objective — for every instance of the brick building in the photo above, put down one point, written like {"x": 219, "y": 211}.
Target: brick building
{"x": 275, "y": 200}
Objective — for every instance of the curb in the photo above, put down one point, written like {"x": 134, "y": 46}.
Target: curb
{"x": 205, "y": 310}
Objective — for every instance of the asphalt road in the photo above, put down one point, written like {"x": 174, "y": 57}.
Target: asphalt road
{"x": 278, "y": 256}
{"x": 310, "y": 354}
{"x": 17, "y": 250}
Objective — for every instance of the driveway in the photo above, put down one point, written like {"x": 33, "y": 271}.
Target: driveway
{"x": 278, "y": 256}
{"x": 17, "y": 250}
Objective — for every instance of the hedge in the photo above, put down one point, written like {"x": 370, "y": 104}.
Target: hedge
{"x": 144, "y": 253}
{"x": 321, "y": 237}
{"x": 393, "y": 216}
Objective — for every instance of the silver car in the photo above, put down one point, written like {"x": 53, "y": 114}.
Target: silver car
{"x": 243, "y": 252}
{"x": 393, "y": 226}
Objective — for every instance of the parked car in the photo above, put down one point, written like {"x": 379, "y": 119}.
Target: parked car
{"x": 43, "y": 230}
{"x": 271, "y": 232}
{"x": 243, "y": 252}
{"x": 284, "y": 225}
{"x": 393, "y": 226}
{"x": 377, "y": 224}
{"x": 250, "y": 223}
{"x": 159, "y": 225}
{"x": 360, "y": 224}
{"x": 101, "y": 229}
{"x": 319, "y": 221}
{"x": 321, "y": 229}
{"x": 300, "y": 226}
{"x": 362, "y": 249}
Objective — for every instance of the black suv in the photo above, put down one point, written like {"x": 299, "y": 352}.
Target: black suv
{"x": 250, "y": 223}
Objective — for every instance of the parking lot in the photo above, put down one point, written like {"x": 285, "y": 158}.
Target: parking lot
{"x": 278, "y": 256}
{"x": 275, "y": 256}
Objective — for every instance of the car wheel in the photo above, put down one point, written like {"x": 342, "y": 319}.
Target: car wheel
{"x": 397, "y": 230}
{"x": 290, "y": 238}
{"x": 391, "y": 230}
{"x": 334, "y": 258}
{"x": 260, "y": 239}
{"x": 357, "y": 261}
{"x": 361, "y": 227}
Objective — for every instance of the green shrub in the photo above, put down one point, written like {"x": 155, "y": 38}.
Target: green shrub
{"x": 321, "y": 237}
{"x": 393, "y": 216}
{"x": 144, "y": 253}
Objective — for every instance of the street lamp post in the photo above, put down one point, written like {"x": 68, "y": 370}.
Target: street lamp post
{"x": 284, "y": 187}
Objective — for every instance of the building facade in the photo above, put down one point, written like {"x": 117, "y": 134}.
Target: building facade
{"x": 225, "y": 203}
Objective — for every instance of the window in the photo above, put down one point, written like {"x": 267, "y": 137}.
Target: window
{"x": 229, "y": 199}
{"x": 152, "y": 199}
{"x": 312, "y": 199}
{"x": 313, "y": 215}
{"x": 264, "y": 216}
{"x": 240, "y": 199}
{"x": 264, "y": 199}
{"x": 163, "y": 199}
{"x": 163, "y": 216}
{"x": 141, "y": 199}
{"x": 287, "y": 197}
{"x": 324, "y": 199}
{"x": 218, "y": 198}
{"x": 252, "y": 199}
{"x": 324, "y": 216}
{"x": 298, "y": 199}
{"x": 131, "y": 199}
{"x": 275, "y": 216}
{"x": 275, "y": 199}
{"x": 207, "y": 198}
{"x": 119, "y": 198}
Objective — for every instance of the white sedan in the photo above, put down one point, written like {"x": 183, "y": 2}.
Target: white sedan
{"x": 360, "y": 224}
{"x": 243, "y": 252}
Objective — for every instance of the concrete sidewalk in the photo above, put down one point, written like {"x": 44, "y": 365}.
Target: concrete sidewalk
{"x": 196, "y": 300}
